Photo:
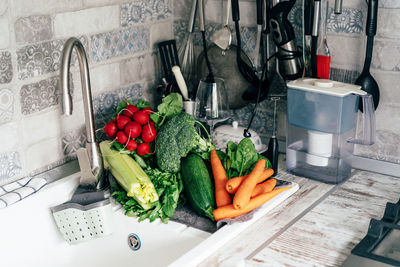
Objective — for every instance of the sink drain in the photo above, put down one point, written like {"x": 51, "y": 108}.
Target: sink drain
{"x": 134, "y": 242}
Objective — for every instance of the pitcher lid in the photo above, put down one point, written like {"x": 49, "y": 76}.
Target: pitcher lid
{"x": 324, "y": 86}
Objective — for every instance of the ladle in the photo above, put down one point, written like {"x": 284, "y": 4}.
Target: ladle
{"x": 223, "y": 37}
{"x": 367, "y": 82}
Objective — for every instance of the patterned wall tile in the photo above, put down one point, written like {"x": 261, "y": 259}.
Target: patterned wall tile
{"x": 33, "y": 29}
{"x": 247, "y": 34}
{"x": 6, "y": 105}
{"x": 145, "y": 11}
{"x": 349, "y": 22}
{"x": 73, "y": 140}
{"x": 40, "y": 95}
{"x": 38, "y": 59}
{"x": 389, "y": 3}
{"x": 6, "y": 69}
{"x": 10, "y": 165}
{"x": 119, "y": 43}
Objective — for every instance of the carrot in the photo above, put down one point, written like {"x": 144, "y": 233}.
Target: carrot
{"x": 265, "y": 187}
{"x": 229, "y": 211}
{"x": 222, "y": 197}
{"x": 243, "y": 194}
{"x": 233, "y": 184}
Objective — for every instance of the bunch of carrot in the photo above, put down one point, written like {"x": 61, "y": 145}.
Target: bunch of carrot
{"x": 249, "y": 191}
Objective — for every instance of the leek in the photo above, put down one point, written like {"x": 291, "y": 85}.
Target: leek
{"x": 129, "y": 175}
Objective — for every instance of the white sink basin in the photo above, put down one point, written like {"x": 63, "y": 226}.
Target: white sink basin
{"x": 29, "y": 236}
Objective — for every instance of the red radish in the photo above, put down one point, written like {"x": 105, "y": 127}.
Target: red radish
{"x": 147, "y": 110}
{"x": 110, "y": 129}
{"x": 130, "y": 110}
{"x": 141, "y": 117}
{"x": 148, "y": 133}
{"x": 133, "y": 129}
{"x": 143, "y": 149}
{"x": 151, "y": 122}
{"x": 131, "y": 145}
{"x": 121, "y": 137}
{"x": 122, "y": 121}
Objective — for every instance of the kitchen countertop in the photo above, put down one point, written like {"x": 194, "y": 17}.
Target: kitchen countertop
{"x": 318, "y": 226}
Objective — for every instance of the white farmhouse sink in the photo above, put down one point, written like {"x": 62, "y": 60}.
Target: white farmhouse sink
{"x": 29, "y": 236}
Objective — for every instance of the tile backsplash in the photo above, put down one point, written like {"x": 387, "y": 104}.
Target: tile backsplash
{"x": 346, "y": 40}
{"x": 119, "y": 37}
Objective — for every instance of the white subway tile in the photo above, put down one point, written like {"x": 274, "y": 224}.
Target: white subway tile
{"x": 389, "y": 86}
{"x": 40, "y": 127}
{"x": 9, "y": 136}
{"x": 388, "y": 23}
{"x": 104, "y": 77}
{"x": 86, "y": 21}
{"x": 42, "y": 154}
{"x": 137, "y": 68}
{"x": 28, "y": 7}
{"x": 5, "y": 32}
{"x": 102, "y": 2}
{"x": 160, "y": 32}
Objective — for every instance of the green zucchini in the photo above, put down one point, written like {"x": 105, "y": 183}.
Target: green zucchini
{"x": 198, "y": 186}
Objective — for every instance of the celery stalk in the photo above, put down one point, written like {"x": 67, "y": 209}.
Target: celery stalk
{"x": 129, "y": 175}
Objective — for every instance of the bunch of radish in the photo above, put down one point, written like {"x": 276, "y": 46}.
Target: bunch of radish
{"x": 133, "y": 128}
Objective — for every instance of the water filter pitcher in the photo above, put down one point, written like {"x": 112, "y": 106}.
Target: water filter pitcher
{"x": 321, "y": 131}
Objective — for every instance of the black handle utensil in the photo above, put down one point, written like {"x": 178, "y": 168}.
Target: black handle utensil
{"x": 365, "y": 80}
{"x": 273, "y": 149}
{"x": 169, "y": 58}
{"x": 248, "y": 72}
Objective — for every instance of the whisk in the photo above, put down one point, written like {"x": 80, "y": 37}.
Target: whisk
{"x": 186, "y": 52}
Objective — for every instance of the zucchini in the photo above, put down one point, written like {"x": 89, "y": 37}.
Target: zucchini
{"x": 198, "y": 186}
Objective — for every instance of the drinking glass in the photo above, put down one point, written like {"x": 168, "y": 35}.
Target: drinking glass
{"x": 211, "y": 103}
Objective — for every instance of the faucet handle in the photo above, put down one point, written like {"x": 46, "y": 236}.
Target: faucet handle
{"x": 87, "y": 177}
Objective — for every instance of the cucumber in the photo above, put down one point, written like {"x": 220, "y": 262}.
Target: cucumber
{"x": 198, "y": 186}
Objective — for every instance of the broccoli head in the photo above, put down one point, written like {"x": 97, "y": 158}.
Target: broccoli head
{"x": 175, "y": 139}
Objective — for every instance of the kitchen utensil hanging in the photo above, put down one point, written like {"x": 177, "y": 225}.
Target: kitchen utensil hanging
{"x": 323, "y": 52}
{"x": 222, "y": 61}
{"x": 223, "y": 37}
{"x": 365, "y": 80}
{"x": 248, "y": 71}
{"x": 210, "y": 76}
{"x": 314, "y": 37}
{"x": 186, "y": 53}
{"x": 169, "y": 58}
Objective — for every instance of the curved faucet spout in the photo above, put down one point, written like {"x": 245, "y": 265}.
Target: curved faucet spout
{"x": 92, "y": 147}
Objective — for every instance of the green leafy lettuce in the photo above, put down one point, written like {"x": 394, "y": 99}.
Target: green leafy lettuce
{"x": 241, "y": 158}
{"x": 168, "y": 187}
{"x": 170, "y": 106}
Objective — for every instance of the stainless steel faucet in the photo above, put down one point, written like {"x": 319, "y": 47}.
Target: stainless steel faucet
{"x": 93, "y": 150}
{"x": 338, "y": 7}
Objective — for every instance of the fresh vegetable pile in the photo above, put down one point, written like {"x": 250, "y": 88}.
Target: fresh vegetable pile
{"x": 249, "y": 191}
{"x": 144, "y": 153}
{"x": 155, "y": 155}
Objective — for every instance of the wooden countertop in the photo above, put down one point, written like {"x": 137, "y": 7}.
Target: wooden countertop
{"x": 318, "y": 226}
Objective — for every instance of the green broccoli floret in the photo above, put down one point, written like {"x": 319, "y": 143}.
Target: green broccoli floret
{"x": 175, "y": 139}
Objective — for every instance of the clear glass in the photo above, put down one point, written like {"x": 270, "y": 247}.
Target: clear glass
{"x": 211, "y": 103}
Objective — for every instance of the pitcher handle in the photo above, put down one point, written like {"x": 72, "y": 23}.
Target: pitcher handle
{"x": 368, "y": 118}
